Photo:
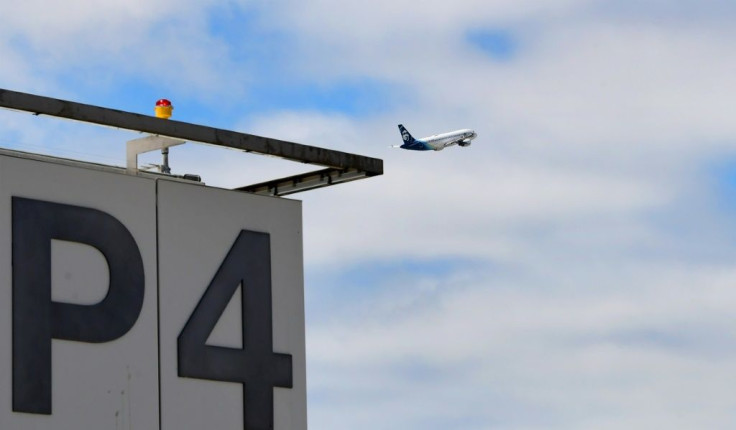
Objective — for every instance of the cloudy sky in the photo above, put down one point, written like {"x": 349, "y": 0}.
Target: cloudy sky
{"x": 575, "y": 268}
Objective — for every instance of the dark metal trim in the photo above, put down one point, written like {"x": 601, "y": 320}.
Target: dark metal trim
{"x": 40, "y": 105}
{"x": 304, "y": 182}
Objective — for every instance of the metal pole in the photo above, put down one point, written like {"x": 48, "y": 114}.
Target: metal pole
{"x": 165, "y": 165}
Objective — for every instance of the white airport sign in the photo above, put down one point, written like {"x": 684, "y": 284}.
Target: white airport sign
{"x": 133, "y": 302}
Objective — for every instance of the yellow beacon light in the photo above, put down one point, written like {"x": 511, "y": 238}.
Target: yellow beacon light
{"x": 163, "y": 109}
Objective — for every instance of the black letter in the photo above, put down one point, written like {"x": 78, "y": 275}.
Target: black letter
{"x": 256, "y": 366}
{"x": 37, "y": 319}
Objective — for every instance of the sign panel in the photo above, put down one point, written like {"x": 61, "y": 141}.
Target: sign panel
{"x": 232, "y": 330}
{"x": 78, "y": 331}
{"x": 130, "y": 302}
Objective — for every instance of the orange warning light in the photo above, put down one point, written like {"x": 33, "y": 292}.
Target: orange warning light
{"x": 163, "y": 109}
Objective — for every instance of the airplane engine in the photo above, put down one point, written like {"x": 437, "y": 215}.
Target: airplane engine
{"x": 464, "y": 143}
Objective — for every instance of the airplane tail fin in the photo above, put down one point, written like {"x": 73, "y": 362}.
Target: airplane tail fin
{"x": 405, "y": 134}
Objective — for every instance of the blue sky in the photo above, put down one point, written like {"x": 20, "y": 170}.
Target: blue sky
{"x": 498, "y": 44}
{"x": 573, "y": 269}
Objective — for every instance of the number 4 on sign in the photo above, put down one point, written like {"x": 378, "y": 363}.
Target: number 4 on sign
{"x": 256, "y": 366}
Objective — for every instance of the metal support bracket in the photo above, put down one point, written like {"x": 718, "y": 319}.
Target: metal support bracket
{"x": 143, "y": 145}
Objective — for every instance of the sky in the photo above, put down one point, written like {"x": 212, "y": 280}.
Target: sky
{"x": 574, "y": 268}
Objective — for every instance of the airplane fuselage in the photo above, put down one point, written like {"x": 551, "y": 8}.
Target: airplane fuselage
{"x": 441, "y": 141}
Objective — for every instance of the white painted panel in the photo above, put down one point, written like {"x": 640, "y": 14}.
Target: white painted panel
{"x": 197, "y": 228}
{"x": 111, "y": 385}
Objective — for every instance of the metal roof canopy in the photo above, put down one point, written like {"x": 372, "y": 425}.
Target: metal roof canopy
{"x": 341, "y": 166}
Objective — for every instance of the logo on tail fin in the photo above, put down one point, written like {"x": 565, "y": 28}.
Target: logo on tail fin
{"x": 405, "y": 134}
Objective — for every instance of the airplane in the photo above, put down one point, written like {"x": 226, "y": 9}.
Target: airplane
{"x": 436, "y": 142}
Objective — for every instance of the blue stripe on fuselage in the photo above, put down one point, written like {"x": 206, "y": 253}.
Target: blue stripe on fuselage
{"x": 417, "y": 145}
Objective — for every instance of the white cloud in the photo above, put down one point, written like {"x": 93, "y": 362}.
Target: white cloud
{"x": 164, "y": 43}
{"x": 594, "y": 122}
{"x": 542, "y": 354}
